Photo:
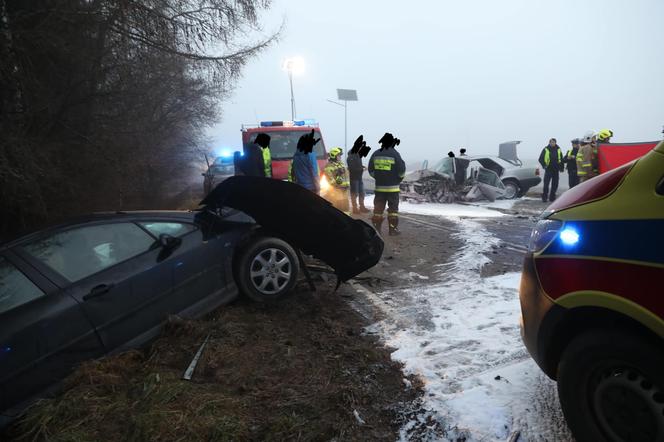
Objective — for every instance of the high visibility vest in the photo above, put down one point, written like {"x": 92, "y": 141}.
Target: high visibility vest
{"x": 569, "y": 155}
{"x": 336, "y": 174}
{"x": 291, "y": 176}
{"x": 547, "y": 156}
{"x": 267, "y": 162}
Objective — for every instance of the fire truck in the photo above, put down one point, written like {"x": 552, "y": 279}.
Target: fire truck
{"x": 284, "y": 136}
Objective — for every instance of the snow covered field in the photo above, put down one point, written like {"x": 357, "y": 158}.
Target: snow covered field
{"x": 460, "y": 334}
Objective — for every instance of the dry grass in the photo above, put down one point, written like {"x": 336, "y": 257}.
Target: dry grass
{"x": 294, "y": 371}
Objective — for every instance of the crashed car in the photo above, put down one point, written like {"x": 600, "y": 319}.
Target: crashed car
{"x": 452, "y": 179}
{"x": 107, "y": 282}
{"x": 516, "y": 178}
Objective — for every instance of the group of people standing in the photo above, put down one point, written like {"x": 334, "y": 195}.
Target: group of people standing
{"x": 581, "y": 161}
{"x": 385, "y": 166}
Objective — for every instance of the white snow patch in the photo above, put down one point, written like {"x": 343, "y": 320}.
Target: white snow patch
{"x": 475, "y": 210}
{"x": 460, "y": 334}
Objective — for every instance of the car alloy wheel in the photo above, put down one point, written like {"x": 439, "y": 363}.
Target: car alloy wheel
{"x": 511, "y": 190}
{"x": 271, "y": 271}
{"x": 627, "y": 405}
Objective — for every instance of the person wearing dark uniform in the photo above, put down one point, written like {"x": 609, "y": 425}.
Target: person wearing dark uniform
{"x": 551, "y": 160}
{"x": 251, "y": 163}
{"x": 388, "y": 169}
{"x": 355, "y": 171}
{"x": 570, "y": 161}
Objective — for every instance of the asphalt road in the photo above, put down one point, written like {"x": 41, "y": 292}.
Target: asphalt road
{"x": 445, "y": 298}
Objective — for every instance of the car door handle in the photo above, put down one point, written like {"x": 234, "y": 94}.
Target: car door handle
{"x": 99, "y": 290}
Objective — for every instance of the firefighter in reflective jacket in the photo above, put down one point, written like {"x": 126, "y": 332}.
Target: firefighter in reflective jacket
{"x": 388, "y": 169}
{"x": 585, "y": 157}
{"x": 263, "y": 140}
{"x": 337, "y": 176}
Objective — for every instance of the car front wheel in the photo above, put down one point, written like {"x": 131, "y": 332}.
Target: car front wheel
{"x": 611, "y": 387}
{"x": 267, "y": 269}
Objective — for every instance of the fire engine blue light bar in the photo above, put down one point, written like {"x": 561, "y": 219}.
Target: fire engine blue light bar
{"x": 288, "y": 123}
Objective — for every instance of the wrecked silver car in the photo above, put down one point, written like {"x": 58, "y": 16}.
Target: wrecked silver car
{"x": 451, "y": 180}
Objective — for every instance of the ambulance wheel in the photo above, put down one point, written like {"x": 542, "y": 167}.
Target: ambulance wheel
{"x": 267, "y": 269}
{"x": 611, "y": 387}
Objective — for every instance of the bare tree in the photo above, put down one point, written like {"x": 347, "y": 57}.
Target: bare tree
{"x": 102, "y": 101}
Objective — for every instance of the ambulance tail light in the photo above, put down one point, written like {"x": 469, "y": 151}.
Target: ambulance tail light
{"x": 594, "y": 189}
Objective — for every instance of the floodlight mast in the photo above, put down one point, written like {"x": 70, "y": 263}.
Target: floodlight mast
{"x": 293, "y": 65}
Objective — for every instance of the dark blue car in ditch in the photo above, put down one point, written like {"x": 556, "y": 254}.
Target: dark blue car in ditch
{"x": 107, "y": 282}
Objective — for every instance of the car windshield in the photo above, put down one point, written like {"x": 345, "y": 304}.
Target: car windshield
{"x": 284, "y": 143}
{"x": 446, "y": 165}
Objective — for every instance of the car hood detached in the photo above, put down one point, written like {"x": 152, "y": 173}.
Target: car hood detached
{"x": 305, "y": 220}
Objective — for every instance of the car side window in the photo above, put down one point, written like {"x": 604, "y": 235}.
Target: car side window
{"x": 83, "y": 251}
{"x": 174, "y": 229}
{"x": 15, "y": 288}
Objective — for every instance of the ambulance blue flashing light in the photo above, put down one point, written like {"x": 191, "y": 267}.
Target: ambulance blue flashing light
{"x": 569, "y": 236}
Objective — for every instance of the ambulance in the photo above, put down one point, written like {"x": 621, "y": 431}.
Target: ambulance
{"x": 592, "y": 301}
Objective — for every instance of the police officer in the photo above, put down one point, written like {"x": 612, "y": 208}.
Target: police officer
{"x": 337, "y": 176}
{"x": 388, "y": 169}
{"x": 570, "y": 161}
{"x": 263, "y": 140}
{"x": 551, "y": 160}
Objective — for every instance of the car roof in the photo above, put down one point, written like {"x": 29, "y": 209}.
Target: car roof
{"x": 182, "y": 215}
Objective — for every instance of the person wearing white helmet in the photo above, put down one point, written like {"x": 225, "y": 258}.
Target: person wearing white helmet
{"x": 585, "y": 158}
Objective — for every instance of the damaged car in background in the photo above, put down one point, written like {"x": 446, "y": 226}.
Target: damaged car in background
{"x": 472, "y": 178}
{"x": 452, "y": 179}
{"x": 107, "y": 282}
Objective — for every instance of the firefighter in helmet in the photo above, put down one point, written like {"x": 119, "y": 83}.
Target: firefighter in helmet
{"x": 388, "y": 169}
{"x": 337, "y": 176}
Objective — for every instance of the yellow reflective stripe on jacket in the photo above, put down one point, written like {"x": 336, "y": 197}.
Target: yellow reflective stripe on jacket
{"x": 267, "y": 162}
{"x": 383, "y": 163}
{"x": 387, "y": 188}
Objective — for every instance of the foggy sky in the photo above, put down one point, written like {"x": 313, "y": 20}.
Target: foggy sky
{"x": 445, "y": 74}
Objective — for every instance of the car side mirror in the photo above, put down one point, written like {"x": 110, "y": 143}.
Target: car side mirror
{"x": 660, "y": 187}
{"x": 169, "y": 242}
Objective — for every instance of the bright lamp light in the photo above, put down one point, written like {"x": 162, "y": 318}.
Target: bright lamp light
{"x": 294, "y": 65}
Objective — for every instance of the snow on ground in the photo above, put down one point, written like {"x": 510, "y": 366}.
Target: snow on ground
{"x": 482, "y": 209}
{"x": 461, "y": 335}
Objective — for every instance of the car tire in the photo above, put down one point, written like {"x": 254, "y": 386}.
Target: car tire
{"x": 611, "y": 387}
{"x": 267, "y": 269}
{"x": 511, "y": 189}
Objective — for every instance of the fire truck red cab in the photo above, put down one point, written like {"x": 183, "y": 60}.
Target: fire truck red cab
{"x": 283, "y": 142}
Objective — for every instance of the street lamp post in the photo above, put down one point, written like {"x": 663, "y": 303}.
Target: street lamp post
{"x": 345, "y": 95}
{"x": 293, "y": 65}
